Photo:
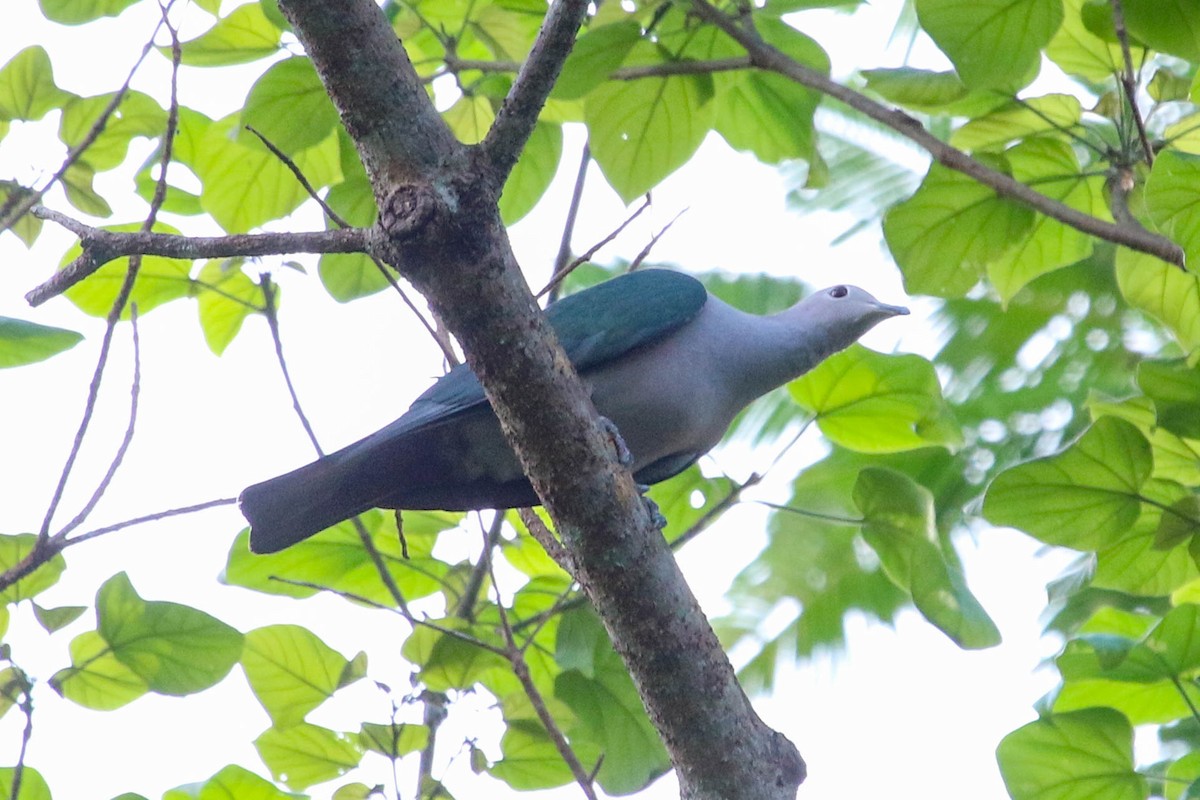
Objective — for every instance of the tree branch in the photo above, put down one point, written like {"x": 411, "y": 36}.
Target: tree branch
{"x": 764, "y": 56}
{"x": 101, "y": 246}
{"x": 446, "y": 235}
{"x": 519, "y": 112}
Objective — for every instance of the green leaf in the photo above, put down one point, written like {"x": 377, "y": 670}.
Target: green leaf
{"x": 33, "y": 785}
{"x": 994, "y": 44}
{"x": 176, "y": 649}
{"x": 449, "y": 662}
{"x": 530, "y": 760}
{"x": 27, "y": 227}
{"x": 225, "y": 296}
{"x": 305, "y": 754}
{"x": 13, "y": 549}
{"x": 641, "y": 131}
{"x": 918, "y": 89}
{"x": 1174, "y": 386}
{"x": 470, "y": 118}
{"x": 77, "y": 182}
{"x": 289, "y": 106}
{"x": 1085, "y": 497}
{"x": 613, "y": 717}
{"x": 394, "y": 740}
{"x": 238, "y": 782}
{"x": 1171, "y": 199}
{"x": 54, "y": 619}
{"x": 23, "y": 342}
{"x": 950, "y": 230}
{"x": 1081, "y": 53}
{"x": 767, "y": 114}
{"x": 27, "y": 88}
{"x": 159, "y": 280}
{"x": 1164, "y": 291}
{"x": 73, "y": 12}
{"x": 96, "y": 679}
{"x": 349, "y": 276}
{"x": 877, "y": 403}
{"x": 245, "y": 35}
{"x": 1084, "y": 754}
{"x": 1049, "y": 114}
{"x": 534, "y": 171}
{"x": 1051, "y": 166}
{"x": 336, "y": 559}
{"x": 900, "y": 527}
{"x": 246, "y": 185}
{"x": 1169, "y": 26}
{"x": 291, "y": 671}
{"x": 595, "y": 56}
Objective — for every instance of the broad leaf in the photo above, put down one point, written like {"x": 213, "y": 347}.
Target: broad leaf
{"x": 244, "y": 35}
{"x": 876, "y": 403}
{"x": 305, "y": 754}
{"x": 289, "y": 106}
{"x": 1085, "y": 754}
{"x": 899, "y": 525}
{"x": 291, "y": 671}
{"x": 27, "y": 88}
{"x": 1086, "y": 497}
{"x": 23, "y": 342}
{"x": 15, "y": 548}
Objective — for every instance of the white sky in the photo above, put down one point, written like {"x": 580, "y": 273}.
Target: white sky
{"x": 903, "y": 711}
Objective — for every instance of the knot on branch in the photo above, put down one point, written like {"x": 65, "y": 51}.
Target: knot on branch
{"x": 408, "y": 211}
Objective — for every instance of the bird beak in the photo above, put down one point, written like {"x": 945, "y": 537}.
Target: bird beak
{"x": 894, "y": 311}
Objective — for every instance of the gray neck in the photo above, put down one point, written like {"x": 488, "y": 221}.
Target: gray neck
{"x": 762, "y": 353}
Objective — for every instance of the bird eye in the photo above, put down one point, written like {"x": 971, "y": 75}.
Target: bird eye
{"x": 838, "y": 291}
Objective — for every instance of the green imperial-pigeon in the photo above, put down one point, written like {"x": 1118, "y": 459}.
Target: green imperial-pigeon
{"x": 666, "y": 362}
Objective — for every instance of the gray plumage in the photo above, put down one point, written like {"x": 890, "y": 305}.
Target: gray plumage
{"x": 669, "y": 364}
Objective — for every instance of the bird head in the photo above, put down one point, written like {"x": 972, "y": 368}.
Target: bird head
{"x": 843, "y": 313}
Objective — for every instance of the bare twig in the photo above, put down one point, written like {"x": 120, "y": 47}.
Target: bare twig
{"x": 637, "y": 262}
{"x": 26, "y": 706}
{"x": 134, "y": 392}
{"x": 662, "y": 70}
{"x": 269, "y": 311}
{"x": 155, "y": 517}
{"x": 466, "y": 603}
{"x": 1129, "y": 80}
{"x": 558, "y": 276}
{"x": 101, "y": 246}
{"x": 564, "y": 245}
{"x": 553, "y": 547}
{"x": 516, "y": 657}
{"x": 764, "y": 56}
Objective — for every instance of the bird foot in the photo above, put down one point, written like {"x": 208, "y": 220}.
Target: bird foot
{"x": 624, "y": 457}
{"x": 656, "y": 515}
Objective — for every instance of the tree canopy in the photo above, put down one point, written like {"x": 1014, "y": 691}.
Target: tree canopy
{"x": 1054, "y": 232}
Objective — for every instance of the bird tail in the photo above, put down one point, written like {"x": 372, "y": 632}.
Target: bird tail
{"x": 288, "y": 509}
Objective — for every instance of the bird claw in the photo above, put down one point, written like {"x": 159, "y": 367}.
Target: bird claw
{"x": 656, "y": 515}
{"x": 624, "y": 457}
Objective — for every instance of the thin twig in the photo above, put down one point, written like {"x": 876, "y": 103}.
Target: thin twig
{"x": 26, "y": 706}
{"x": 520, "y": 669}
{"x": 663, "y": 70}
{"x": 1129, "y": 80}
{"x": 466, "y": 604}
{"x": 764, "y": 56}
{"x": 126, "y": 440}
{"x": 637, "y": 262}
{"x": 564, "y": 245}
{"x": 553, "y": 547}
{"x": 155, "y": 517}
{"x": 269, "y": 311}
{"x": 558, "y": 276}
